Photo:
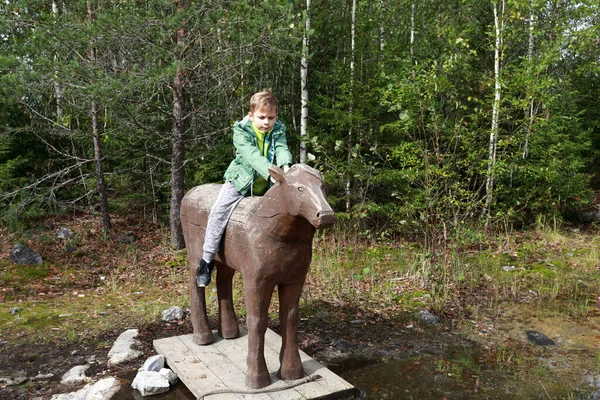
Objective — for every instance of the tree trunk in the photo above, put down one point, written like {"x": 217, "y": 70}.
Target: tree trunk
{"x": 57, "y": 88}
{"x": 351, "y": 106}
{"x": 412, "y": 31}
{"x": 304, "y": 83}
{"x": 489, "y": 185}
{"x": 178, "y": 151}
{"x": 381, "y": 27}
{"x": 529, "y": 111}
{"x": 96, "y": 135}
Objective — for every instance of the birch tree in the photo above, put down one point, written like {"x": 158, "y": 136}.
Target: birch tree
{"x": 498, "y": 31}
{"x": 351, "y": 105}
{"x": 304, "y": 82}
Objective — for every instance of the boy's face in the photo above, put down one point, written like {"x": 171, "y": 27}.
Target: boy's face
{"x": 263, "y": 119}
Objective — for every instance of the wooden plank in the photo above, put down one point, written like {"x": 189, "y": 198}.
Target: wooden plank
{"x": 308, "y": 390}
{"x": 330, "y": 382}
{"x": 222, "y": 366}
{"x": 190, "y": 368}
{"x": 225, "y": 363}
{"x": 272, "y": 360}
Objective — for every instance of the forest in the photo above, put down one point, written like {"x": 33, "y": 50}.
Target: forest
{"x": 424, "y": 116}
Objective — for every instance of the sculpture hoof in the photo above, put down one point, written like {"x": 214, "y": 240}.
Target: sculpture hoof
{"x": 202, "y": 339}
{"x": 230, "y": 334}
{"x": 291, "y": 375}
{"x": 258, "y": 382}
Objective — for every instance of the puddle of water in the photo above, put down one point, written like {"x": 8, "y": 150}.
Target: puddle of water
{"x": 424, "y": 378}
{"x": 435, "y": 379}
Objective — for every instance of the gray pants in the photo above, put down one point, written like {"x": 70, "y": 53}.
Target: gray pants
{"x": 227, "y": 199}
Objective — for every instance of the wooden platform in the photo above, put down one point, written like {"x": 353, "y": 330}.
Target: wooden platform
{"x": 221, "y": 366}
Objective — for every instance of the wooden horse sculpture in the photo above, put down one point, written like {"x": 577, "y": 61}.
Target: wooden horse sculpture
{"x": 269, "y": 241}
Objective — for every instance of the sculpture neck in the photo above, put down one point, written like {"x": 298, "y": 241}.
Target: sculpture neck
{"x": 277, "y": 223}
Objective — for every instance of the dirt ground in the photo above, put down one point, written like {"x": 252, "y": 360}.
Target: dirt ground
{"x": 325, "y": 341}
{"x": 332, "y": 334}
{"x": 326, "y": 336}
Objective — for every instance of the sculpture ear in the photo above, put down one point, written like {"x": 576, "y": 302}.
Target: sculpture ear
{"x": 277, "y": 173}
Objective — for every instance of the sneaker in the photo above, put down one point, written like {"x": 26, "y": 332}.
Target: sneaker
{"x": 204, "y": 271}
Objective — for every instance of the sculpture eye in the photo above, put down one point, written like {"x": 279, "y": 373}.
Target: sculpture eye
{"x": 301, "y": 188}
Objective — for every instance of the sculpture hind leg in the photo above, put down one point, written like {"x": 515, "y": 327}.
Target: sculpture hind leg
{"x": 228, "y": 324}
{"x": 202, "y": 332}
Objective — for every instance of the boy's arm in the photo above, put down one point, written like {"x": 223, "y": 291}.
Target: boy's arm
{"x": 283, "y": 155}
{"x": 244, "y": 144}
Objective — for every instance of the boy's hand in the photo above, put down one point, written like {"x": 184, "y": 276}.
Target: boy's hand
{"x": 286, "y": 167}
{"x": 272, "y": 180}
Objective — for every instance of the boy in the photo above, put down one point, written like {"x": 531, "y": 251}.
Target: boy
{"x": 260, "y": 142}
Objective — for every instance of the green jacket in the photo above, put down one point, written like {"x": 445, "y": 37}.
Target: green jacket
{"x": 248, "y": 163}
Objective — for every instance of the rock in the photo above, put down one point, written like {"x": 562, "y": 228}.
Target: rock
{"x": 64, "y": 233}
{"x": 428, "y": 317}
{"x": 342, "y": 344}
{"x": 154, "y": 363}
{"x": 124, "y": 348}
{"x": 172, "y": 313}
{"x": 104, "y": 389}
{"x": 150, "y": 382}
{"x": 539, "y": 338}
{"x": 75, "y": 375}
{"x": 322, "y": 315}
{"x": 14, "y": 311}
{"x": 127, "y": 238}
{"x": 42, "y": 377}
{"x": 170, "y": 375}
{"x": 591, "y": 214}
{"x": 23, "y": 255}
{"x": 19, "y": 380}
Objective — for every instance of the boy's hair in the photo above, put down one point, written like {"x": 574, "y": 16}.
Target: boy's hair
{"x": 265, "y": 100}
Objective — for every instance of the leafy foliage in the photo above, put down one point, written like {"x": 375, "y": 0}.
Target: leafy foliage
{"x": 402, "y": 137}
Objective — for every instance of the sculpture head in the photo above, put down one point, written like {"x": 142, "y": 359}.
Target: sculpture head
{"x": 303, "y": 189}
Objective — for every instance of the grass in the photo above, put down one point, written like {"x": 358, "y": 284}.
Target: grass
{"x": 105, "y": 285}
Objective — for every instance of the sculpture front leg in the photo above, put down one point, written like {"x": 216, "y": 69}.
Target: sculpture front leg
{"x": 257, "y": 306}
{"x": 289, "y": 311}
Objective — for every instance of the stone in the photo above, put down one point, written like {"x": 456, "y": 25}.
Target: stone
{"x": 23, "y": 255}
{"x": 154, "y": 363}
{"x": 104, "y": 389}
{"x": 539, "y": 339}
{"x": 170, "y": 375}
{"x": 127, "y": 238}
{"x": 42, "y": 377}
{"x": 428, "y": 317}
{"x": 75, "y": 375}
{"x": 19, "y": 380}
{"x": 124, "y": 348}
{"x": 172, "y": 313}
{"x": 150, "y": 382}
{"x": 342, "y": 344}
{"x": 64, "y": 233}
